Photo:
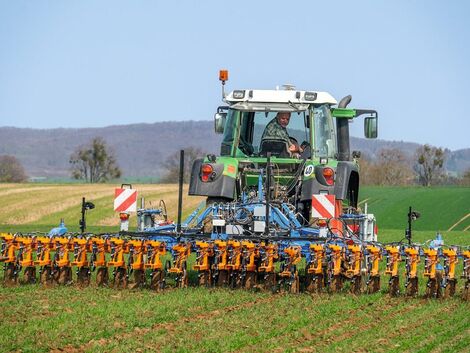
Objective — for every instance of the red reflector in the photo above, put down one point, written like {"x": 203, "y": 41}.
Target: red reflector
{"x": 329, "y": 175}
{"x": 124, "y": 216}
{"x": 206, "y": 172}
{"x": 321, "y": 223}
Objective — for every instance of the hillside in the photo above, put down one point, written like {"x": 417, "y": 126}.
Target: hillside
{"x": 142, "y": 148}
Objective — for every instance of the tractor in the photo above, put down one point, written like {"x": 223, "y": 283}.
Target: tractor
{"x": 322, "y": 165}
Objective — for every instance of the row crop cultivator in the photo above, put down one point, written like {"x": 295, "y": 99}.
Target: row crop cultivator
{"x": 280, "y": 215}
{"x": 256, "y": 243}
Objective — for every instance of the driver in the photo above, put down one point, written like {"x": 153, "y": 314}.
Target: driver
{"x": 277, "y": 130}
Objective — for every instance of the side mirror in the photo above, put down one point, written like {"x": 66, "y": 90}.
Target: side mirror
{"x": 219, "y": 122}
{"x": 370, "y": 127}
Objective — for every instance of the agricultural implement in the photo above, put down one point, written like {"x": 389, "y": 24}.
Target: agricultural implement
{"x": 279, "y": 216}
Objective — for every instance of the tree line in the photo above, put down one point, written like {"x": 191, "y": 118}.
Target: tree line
{"x": 96, "y": 162}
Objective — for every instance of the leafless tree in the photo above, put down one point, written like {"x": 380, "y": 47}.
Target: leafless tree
{"x": 94, "y": 162}
{"x": 11, "y": 170}
{"x": 429, "y": 164}
{"x": 172, "y": 164}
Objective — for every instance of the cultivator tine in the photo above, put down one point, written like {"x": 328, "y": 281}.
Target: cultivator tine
{"x": 178, "y": 266}
{"x": 412, "y": 260}
{"x": 431, "y": 271}
{"x": 117, "y": 262}
{"x": 8, "y": 257}
{"x": 81, "y": 247}
{"x": 44, "y": 261}
{"x": 314, "y": 269}
{"x": 393, "y": 259}
{"x": 289, "y": 275}
{"x": 234, "y": 263}
{"x": 449, "y": 280}
{"x": 100, "y": 246}
{"x": 155, "y": 251}
{"x": 136, "y": 263}
{"x": 221, "y": 261}
{"x": 27, "y": 244}
{"x": 250, "y": 258}
{"x": 269, "y": 253}
{"x": 61, "y": 267}
{"x": 372, "y": 257}
{"x": 335, "y": 261}
{"x": 353, "y": 261}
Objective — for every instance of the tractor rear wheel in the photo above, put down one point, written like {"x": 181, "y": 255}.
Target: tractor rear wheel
{"x": 102, "y": 277}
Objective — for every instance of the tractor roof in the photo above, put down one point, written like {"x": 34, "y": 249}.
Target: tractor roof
{"x": 285, "y": 96}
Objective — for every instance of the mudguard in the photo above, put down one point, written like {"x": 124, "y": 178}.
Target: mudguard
{"x": 221, "y": 186}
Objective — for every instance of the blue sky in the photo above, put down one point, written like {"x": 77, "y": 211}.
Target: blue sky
{"x": 98, "y": 63}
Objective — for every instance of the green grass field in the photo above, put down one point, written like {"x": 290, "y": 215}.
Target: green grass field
{"x": 71, "y": 319}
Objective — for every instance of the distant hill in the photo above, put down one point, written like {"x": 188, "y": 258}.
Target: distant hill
{"x": 142, "y": 148}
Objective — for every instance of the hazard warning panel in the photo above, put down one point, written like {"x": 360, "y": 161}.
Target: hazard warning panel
{"x": 323, "y": 206}
{"x": 125, "y": 200}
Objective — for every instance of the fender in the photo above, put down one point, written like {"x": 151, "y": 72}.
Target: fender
{"x": 221, "y": 186}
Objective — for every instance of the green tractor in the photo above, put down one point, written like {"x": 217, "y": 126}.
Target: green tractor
{"x": 311, "y": 155}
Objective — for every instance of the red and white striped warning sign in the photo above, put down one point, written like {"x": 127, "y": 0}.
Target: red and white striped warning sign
{"x": 125, "y": 200}
{"x": 323, "y": 206}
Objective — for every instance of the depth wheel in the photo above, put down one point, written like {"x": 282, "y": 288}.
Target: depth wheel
{"x": 102, "y": 277}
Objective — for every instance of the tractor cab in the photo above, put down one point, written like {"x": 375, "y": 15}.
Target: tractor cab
{"x": 306, "y": 135}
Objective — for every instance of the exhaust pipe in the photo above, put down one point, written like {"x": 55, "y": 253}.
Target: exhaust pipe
{"x": 342, "y": 131}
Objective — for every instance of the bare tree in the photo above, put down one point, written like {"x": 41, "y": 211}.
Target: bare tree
{"x": 465, "y": 181}
{"x": 94, "y": 162}
{"x": 393, "y": 168}
{"x": 172, "y": 164}
{"x": 11, "y": 170}
{"x": 390, "y": 168}
{"x": 429, "y": 164}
